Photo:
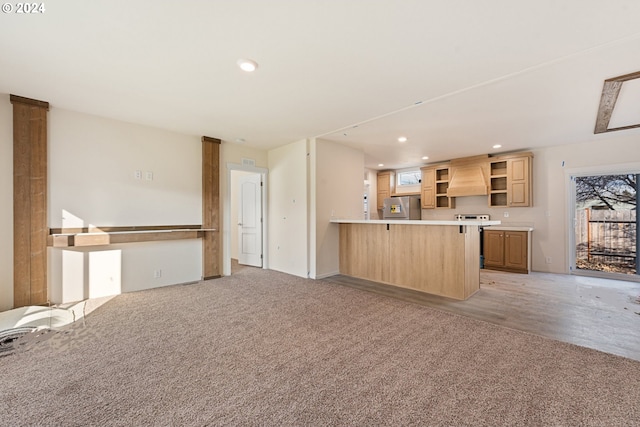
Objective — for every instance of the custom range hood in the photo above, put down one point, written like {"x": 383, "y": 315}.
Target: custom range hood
{"x": 469, "y": 177}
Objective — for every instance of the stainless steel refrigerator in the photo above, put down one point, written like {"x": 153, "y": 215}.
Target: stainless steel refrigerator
{"x": 404, "y": 207}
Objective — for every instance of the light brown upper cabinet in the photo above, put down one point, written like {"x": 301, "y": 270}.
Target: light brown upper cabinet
{"x": 511, "y": 180}
{"x": 435, "y": 182}
{"x": 428, "y": 188}
{"x": 386, "y": 186}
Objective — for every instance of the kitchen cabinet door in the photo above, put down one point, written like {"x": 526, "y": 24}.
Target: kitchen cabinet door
{"x": 493, "y": 248}
{"x": 510, "y": 181}
{"x": 506, "y": 250}
{"x": 435, "y": 181}
{"x": 386, "y": 187}
{"x": 518, "y": 181}
{"x": 428, "y": 187}
{"x": 515, "y": 250}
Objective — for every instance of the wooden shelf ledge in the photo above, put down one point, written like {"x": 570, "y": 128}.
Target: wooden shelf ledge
{"x": 102, "y": 236}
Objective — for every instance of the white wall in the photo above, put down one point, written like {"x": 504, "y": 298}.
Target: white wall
{"x": 337, "y": 189}
{"x": 234, "y": 153}
{"x": 288, "y": 209}
{"x": 549, "y": 214}
{"x": 77, "y": 274}
{"x": 92, "y": 161}
{"x": 6, "y": 203}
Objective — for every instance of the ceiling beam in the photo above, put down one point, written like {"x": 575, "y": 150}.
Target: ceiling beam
{"x": 610, "y": 92}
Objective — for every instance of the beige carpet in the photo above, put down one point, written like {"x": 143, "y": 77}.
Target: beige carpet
{"x": 265, "y": 348}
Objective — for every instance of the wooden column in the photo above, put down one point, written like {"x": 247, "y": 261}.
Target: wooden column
{"x": 211, "y": 208}
{"x": 29, "y": 201}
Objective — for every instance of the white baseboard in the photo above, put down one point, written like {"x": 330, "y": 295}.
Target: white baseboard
{"x": 325, "y": 275}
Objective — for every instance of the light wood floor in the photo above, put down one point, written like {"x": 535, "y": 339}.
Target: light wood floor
{"x": 597, "y": 313}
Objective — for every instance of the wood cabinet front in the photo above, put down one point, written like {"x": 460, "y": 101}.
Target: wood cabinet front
{"x": 428, "y": 188}
{"x": 493, "y": 248}
{"x": 515, "y": 250}
{"x": 435, "y": 182}
{"x": 386, "y": 187}
{"x": 506, "y": 250}
{"x": 510, "y": 181}
{"x": 364, "y": 251}
{"x": 518, "y": 182}
{"x": 440, "y": 260}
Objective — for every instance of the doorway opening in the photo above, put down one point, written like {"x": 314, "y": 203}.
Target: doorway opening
{"x": 246, "y": 235}
{"x": 244, "y": 228}
{"x": 606, "y": 225}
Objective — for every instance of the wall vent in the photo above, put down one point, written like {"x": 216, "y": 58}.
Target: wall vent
{"x": 248, "y": 162}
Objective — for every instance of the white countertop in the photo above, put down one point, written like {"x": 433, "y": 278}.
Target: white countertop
{"x": 510, "y": 228}
{"x": 414, "y": 222}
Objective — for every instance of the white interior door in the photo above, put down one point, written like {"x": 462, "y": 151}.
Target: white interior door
{"x": 250, "y": 221}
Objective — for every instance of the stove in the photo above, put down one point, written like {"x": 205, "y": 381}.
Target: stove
{"x": 471, "y": 217}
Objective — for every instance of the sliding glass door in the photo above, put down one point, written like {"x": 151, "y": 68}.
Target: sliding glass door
{"x": 606, "y": 224}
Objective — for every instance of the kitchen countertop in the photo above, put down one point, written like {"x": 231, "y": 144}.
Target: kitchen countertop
{"x": 415, "y": 222}
{"x": 506, "y": 227}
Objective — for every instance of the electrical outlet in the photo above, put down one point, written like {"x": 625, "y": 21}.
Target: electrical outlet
{"x": 157, "y": 274}
{"x": 548, "y": 260}
{"x": 137, "y": 174}
{"x": 506, "y": 214}
{"x": 149, "y": 176}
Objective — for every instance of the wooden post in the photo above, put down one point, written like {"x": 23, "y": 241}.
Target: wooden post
{"x": 211, "y": 253}
{"x": 29, "y": 201}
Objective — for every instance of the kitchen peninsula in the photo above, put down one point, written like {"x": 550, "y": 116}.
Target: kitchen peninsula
{"x": 436, "y": 257}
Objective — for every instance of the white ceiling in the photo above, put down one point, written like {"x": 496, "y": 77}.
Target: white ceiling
{"x": 521, "y": 74}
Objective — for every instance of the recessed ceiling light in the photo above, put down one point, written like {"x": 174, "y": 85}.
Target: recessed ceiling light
{"x": 402, "y": 139}
{"x": 380, "y": 165}
{"x": 497, "y": 146}
{"x": 240, "y": 140}
{"x": 425, "y": 157}
{"x": 247, "y": 65}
